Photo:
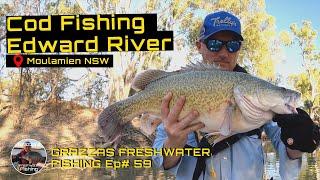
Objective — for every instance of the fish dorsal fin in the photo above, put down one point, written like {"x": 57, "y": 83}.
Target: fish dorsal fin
{"x": 200, "y": 66}
{"x": 146, "y": 77}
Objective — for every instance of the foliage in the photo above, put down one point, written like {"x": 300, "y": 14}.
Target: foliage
{"x": 308, "y": 81}
{"x": 184, "y": 17}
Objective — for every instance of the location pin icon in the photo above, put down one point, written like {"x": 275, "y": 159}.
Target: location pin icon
{"x": 18, "y": 60}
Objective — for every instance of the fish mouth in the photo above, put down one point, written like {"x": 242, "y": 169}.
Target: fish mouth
{"x": 291, "y": 104}
{"x": 291, "y": 108}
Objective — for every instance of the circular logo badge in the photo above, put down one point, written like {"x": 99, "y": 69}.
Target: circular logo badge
{"x": 28, "y": 156}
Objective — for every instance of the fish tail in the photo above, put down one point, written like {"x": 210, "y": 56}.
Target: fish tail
{"x": 109, "y": 123}
{"x": 112, "y": 120}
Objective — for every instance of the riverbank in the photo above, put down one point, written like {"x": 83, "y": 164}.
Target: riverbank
{"x": 56, "y": 125}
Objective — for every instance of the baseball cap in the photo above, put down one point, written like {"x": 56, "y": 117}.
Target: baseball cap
{"x": 220, "y": 21}
{"x": 27, "y": 143}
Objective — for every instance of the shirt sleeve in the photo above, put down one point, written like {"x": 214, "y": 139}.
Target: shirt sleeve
{"x": 158, "y": 143}
{"x": 289, "y": 168}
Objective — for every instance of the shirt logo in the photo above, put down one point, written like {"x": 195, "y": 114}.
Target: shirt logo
{"x": 226, "y": 21}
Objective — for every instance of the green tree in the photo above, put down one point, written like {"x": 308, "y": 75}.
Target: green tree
{"x": 183, "y": 17}
{"x": 260, "y": 50}
{"x": 308, "y": 82}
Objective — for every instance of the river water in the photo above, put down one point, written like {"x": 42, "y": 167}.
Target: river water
{"x": 310, "y": 170}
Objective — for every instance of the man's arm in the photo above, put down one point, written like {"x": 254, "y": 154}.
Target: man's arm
{"x": 161, "y": 137}
{"x": 173, "y": 133}
{"x": 158, "y": 143}
{"x": 289, "y": 168}
{"x": 298, "y": 132}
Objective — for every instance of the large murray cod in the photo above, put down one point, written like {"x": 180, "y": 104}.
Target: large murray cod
{"x": 227, "y": 102}
{"x": 34, "y": 157}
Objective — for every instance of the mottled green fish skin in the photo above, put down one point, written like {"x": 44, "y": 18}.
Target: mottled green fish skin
{"x": 205, "y": 91}
{"x": 33, "y": 156}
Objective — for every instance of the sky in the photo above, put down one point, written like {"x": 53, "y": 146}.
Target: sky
{"x": 287, "y": 12}
{"x": 290, "y": 11}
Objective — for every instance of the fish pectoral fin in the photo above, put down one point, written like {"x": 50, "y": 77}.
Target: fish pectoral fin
{"x": 225, "y": 128}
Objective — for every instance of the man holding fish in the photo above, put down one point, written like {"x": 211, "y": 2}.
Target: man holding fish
{"x": 215, "y": 104}
{"x": 237, "y": 155}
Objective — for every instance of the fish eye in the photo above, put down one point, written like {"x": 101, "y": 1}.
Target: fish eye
{"x": 283, "y": 88}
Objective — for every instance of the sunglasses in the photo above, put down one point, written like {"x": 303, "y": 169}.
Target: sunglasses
{"x": 215, "y": 45}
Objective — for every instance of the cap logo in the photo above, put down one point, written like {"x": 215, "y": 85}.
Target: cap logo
{"x": 226, "y": 21}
